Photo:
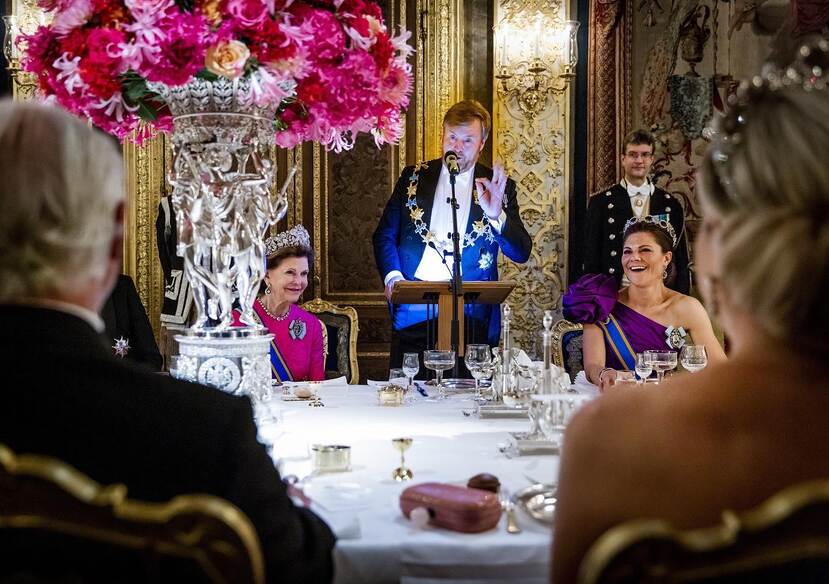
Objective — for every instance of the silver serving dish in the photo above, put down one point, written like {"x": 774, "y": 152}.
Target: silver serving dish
{"x": 538, "y": 501}
{"x": 500, "y": 411}
{"x": 522, "y": 444}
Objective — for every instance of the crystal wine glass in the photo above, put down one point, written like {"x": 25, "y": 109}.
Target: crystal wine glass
{"x": 644, "y": 367}
{"x": 693, "y": 358}
{"x": 439, "y": 361}
{"x": 411, "y": 366}
{"x": 663, "y": 360}
{"x": 478, "y": 360}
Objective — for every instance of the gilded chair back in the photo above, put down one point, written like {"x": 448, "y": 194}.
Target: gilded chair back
{"x": 567, "y": 346}
{"x": 341, "y": 338}
{"x": 785, "y": 539}
{"x": 58, "y": 525}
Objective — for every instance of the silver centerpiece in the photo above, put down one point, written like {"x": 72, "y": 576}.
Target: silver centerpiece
{"x": 224, "y": 202}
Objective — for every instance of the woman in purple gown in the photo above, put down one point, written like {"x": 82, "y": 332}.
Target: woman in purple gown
{"x": 645, "y": 315}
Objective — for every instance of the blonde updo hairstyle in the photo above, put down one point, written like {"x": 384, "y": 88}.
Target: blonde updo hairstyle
{"x": 770, "y": 188}
{"x": 60, "y": 186}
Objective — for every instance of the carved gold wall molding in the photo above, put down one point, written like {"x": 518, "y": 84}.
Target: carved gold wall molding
{"x": 442, "y": 67}
{"x": 531, "y": 126}
{"x": 28, "y": 18}
{"x": 146, "y": 183}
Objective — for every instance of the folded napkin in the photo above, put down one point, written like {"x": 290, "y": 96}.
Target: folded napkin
{"x": 583, "y": 386}
{"x": 403, "y": 381}
{"x": 341, "y": 380}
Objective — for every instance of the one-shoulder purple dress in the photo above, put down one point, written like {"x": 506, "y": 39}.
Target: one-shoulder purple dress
{"x": 593, "y": 299}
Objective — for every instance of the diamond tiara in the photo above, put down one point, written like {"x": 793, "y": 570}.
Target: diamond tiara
{"x": 657, "y": 220}
{"x": 296, "y": 236}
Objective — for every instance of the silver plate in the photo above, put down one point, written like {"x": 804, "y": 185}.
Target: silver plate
{"x": 522, "y": 444}
{"x": 538, "y": 501}
{"x": 500, "y": 411}
{"x": 457, "y": 385}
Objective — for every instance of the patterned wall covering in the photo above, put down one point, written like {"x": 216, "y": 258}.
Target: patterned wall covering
{"x": 531, "y": 133}
{"x": 694, "y": 45}
{"x": 635, "y": 49}
{"x": 361, "y": 182}
{"x": 358, "y": 184}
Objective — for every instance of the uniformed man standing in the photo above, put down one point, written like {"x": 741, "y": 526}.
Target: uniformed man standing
{"x": 635, "y": 195}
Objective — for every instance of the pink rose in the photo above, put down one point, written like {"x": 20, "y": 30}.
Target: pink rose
{"x": 249, "y": 13}
{"x": 227, "y": 59}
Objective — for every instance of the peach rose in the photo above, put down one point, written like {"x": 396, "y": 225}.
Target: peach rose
{"x": 227, "y": 59}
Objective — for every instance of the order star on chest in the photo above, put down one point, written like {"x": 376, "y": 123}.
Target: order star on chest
{"x": 121, "y": 347}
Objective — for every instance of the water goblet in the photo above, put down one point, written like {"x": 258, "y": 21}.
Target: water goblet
{"x": 401, "y": 473}
{"x": 644, "y": 367}
{"x": 477, "y": 360}
{"x": 439, "y": 361}
{"x": 693, "y": 358}
{"x": 559, "y": 409}
{"x": 411, "y": 366}
{"x": 663, "y": 360}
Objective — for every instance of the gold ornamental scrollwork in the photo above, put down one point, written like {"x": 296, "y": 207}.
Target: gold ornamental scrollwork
{"x": 531, "y": 133}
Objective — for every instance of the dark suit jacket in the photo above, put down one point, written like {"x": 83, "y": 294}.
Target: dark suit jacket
{"x": 124, "y": 317}
{"x": 398, "y": 247}
{"x": 607, "y": 213}
{"x": 66, "y": 396}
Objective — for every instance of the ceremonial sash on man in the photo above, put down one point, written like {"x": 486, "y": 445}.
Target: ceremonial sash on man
{"x": 618, "y": 342}
{"x": 279, "y": 367}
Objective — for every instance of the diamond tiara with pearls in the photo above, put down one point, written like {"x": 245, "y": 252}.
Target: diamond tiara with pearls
{"x": 296, "y": 236}
{"x": 658, "y": 221}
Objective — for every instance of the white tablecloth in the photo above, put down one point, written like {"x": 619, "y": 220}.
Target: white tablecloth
{"x": 376, "y": 542}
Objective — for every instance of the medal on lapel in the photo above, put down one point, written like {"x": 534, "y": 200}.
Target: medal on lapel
{"x": 297, "y": 329}
{"x": 121, "y": 347}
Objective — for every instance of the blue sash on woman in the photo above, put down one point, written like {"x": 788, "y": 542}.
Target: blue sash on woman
{"x": 279, "y": 368}
{"x": 618, "y": 342}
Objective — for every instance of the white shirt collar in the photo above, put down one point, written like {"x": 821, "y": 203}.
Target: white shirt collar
{"x": 462, "y": 178}
{"x": 646, "y": 188}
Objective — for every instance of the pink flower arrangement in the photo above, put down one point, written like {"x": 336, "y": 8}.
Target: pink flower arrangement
{"x": 331, "y": 67}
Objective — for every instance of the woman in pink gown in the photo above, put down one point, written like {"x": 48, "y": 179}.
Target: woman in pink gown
{"x": 297, "y": 352}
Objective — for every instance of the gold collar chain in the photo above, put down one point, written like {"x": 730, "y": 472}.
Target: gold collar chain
{"x": 479, "y": 228}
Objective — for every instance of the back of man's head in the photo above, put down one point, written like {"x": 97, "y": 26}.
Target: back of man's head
{"x": 61, "y": 195}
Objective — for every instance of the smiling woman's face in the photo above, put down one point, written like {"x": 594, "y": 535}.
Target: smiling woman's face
{"x": 288, "y": 279}
{"x": 642, "y": 258}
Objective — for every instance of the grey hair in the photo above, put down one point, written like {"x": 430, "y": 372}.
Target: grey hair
{"x": 772, "y": 192}
{"x": 61, "y": 185}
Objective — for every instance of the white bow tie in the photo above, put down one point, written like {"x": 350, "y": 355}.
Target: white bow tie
{"x": 645, "y": 189}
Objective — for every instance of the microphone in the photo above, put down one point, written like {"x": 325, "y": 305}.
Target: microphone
{"x": 451, "y": 160}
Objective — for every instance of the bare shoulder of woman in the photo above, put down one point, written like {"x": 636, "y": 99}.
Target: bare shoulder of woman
{"x": 684, "y": 307}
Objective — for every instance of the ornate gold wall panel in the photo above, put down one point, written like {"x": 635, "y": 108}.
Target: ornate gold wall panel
{"x": 531, "y": 125}
{"x": 146, "y": 184}
{"x": 442, "y": 71}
